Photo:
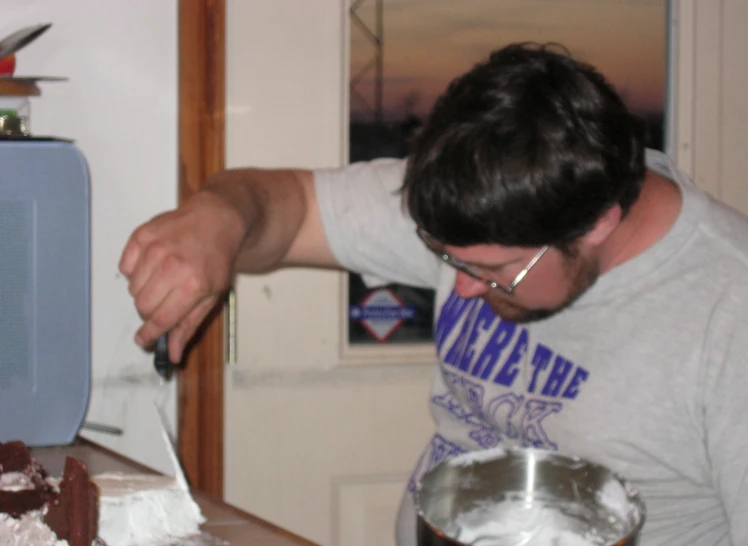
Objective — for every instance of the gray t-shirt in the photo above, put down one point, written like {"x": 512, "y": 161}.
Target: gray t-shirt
{"x": 646, "y": 373}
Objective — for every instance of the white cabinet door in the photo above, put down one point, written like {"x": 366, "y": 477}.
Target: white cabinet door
{"x": 321, "y": 449}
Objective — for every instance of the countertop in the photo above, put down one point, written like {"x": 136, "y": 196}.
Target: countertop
{"x": 226, "y": 522}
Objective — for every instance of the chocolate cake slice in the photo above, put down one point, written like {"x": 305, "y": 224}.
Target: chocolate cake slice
{"x": 74, "y": 516}
{"x": 25, "y": 487}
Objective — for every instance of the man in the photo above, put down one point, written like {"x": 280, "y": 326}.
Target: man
{"x": 590, "y": 299}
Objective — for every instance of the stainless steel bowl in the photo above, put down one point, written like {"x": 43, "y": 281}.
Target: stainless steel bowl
{"x": 526, "y": 497}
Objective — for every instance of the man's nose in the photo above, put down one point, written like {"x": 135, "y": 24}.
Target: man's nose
{"x": 469, "y": 287}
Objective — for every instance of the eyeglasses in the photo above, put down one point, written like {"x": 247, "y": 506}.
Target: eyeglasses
{"x": 475, "y": 272}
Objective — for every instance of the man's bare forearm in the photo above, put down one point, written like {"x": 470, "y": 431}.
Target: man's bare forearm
{"x": 276, "y": 211}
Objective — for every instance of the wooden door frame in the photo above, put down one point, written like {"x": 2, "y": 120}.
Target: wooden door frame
{"x": 201, "y": 126}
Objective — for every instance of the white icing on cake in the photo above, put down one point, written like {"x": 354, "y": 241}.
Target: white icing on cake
{"x": 28, "y": 530}
{"x": 15, "y": 481}
{"x": 140, "y": 510}
{"x": 134, "y": 510}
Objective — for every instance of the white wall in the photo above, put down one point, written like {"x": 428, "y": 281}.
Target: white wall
{"x": 314, "y": 443}
{"x": 711, "y": 84}
{"x": 120, "y": 106}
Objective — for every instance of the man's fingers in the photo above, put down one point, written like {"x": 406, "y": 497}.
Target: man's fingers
{"x": 176, "y": 308}
{"x": 185, "y": 329}
{"x": 129, "y": 259}
{"x": 156, "y": 265}
{"x": 167, "y": 312}
{"x": 132, "y": 252}
{"x": 157, "y": 277}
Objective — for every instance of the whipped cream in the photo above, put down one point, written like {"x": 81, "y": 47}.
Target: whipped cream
{"x": 519, "y": 523}
{"x": 28, "y": 530}
{"x": 15, "y": 481}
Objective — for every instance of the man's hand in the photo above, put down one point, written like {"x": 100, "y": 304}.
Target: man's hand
{"x": 179, "y": 264}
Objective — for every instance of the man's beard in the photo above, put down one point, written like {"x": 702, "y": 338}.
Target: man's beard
{"x": 584, "y": 272}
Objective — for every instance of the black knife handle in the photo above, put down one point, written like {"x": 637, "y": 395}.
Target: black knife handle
{"x": 161, "y": 361}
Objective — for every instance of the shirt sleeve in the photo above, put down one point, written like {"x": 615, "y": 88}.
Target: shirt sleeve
{"x": 725, "y": 412}
{"x": 368, "y": 229}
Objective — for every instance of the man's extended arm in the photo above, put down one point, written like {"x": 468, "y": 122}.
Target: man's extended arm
{"x": 249, "y": 220}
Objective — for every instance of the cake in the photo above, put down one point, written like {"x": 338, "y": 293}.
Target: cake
{"x": 79, "y": 510}
{"x": 34, "y": 511}
{"x": 74, "y": 514}
{"x": 23, "y": 481}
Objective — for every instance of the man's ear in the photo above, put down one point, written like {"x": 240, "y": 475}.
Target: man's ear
{"x": 604, "y": 226}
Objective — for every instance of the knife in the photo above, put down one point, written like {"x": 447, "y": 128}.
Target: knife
{"x": 161, "y": 361}
{"x": 165, "y": 369}
{"x": 21, "y": 38}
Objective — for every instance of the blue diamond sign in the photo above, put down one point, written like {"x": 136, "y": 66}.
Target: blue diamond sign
{"x": 381, "y": 312}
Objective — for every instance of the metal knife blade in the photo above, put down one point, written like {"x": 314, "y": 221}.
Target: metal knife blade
{"x": 160, "y": 403}
{"x": 21, "y": 38}
{"x": 165, "y": 369}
